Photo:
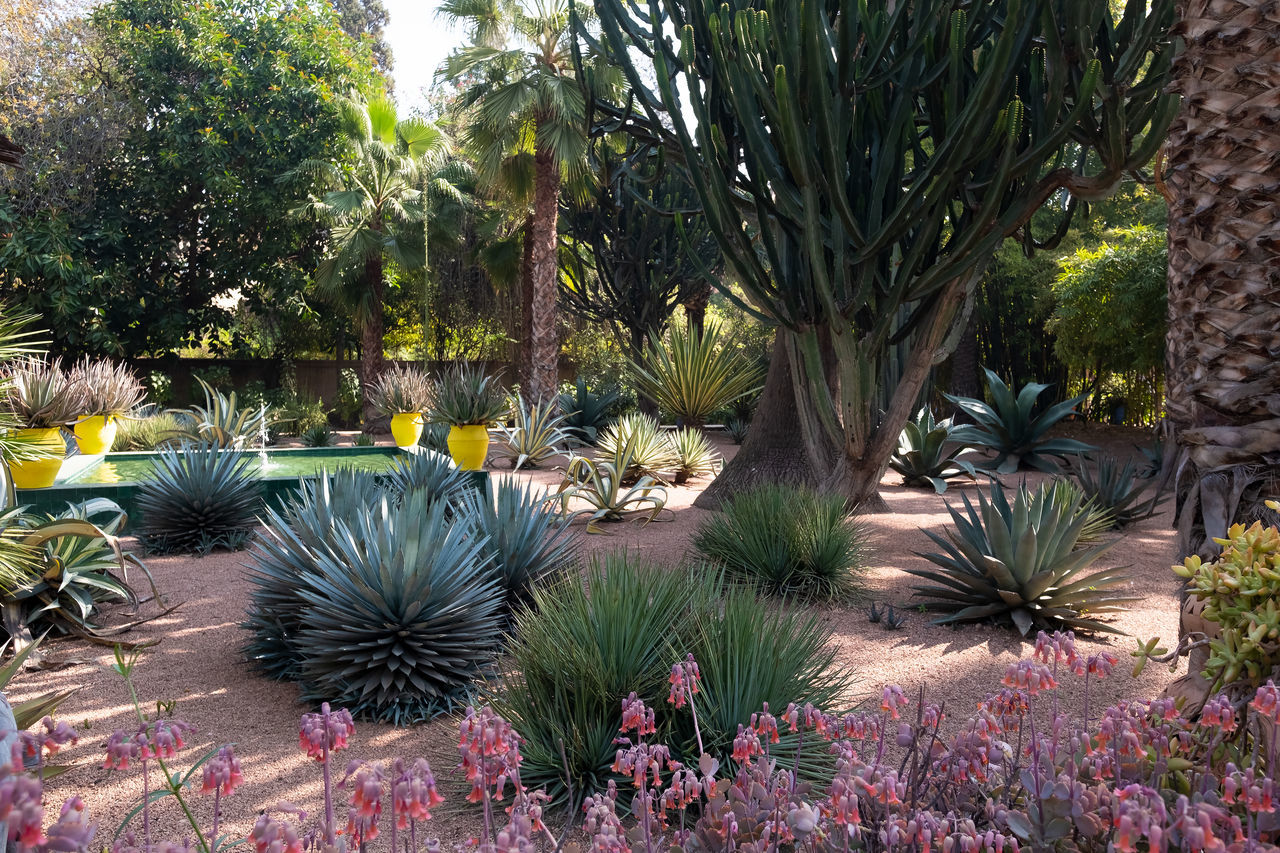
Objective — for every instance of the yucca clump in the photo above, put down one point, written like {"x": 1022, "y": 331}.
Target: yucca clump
{"x": 697, "y": 457}
{"x": 695, "y": 375}
{"x": 401, "y": 389}
{"x": 652, "y": 453}
{"x": 107, "y": 387}
{"x": 39, "y": 394}
{"x": 198, "y": 499}
{"x": 537, "y": 434}
{"x": 787, "y": 541}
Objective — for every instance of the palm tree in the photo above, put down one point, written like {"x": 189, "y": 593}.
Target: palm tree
{"x": 523, "y": 102}
{"x": 374, "y": 204}
{"x": 1222, "y": 171}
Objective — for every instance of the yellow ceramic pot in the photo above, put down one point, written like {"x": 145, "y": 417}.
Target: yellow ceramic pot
{"x": 469, "y": 446}
{"x": 40, "y": 473}
{"x": 96, "y": 433}
{"x": 406, "y": 428}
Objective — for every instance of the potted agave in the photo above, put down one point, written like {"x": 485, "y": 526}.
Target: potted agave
{"x": 110, "y": 391}
{"x": 468, "y": 401}
{"x": 41, "y": 398}
{"x": 403, "y": 392}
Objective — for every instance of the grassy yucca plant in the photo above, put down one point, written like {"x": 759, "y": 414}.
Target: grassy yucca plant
{"x": 695, "y": 374}
{"x": 107, "y": 387}
{"x": 39, "y": 394}
{"x": 429, "y": 472}
{"x": 465, "y": 396}
{"x": 147, "y": 430}
{"x": 1116, "y": 488}
{"x": 586, "y": 414}
{"x": 401, "y": 388}
{"x": 401, "y": 614}
{"x": 527, "y": 540}
{"x": 652, "y": 452}
{"x": 1008, "y": 427}
{"x": 736, "y": 429}
{"x": 1021, "y": 562}
{"x": 922, "y": 458}
{"x": 599, "y": 484}
{"x": 787, "y": 541}
{"x": 697, "y": 457}
{"x": 318, "y": 436}
{"x": 221, "y": 421}
{"x": 200, "y": 497}
{"x": 309, "y": 522}
{"x": 537, "y": 434}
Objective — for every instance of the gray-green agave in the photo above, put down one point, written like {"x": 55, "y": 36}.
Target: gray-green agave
{"x": 599, "y": 483}
{"x": 199, "y": 498}
{"x": 922, "y": 458}
{"x": 465, "y": 396}
{"x": 586, "y": 414}
{"x": 431, "y": 473}
{"x": 537, "y": 434}
{"x": 39, "y": 393}
{"x": 1021, "y": 562}
{"x": 1117, "y": 488}
{"x": 401, "y": 388}
{"x": 107, "y": 387}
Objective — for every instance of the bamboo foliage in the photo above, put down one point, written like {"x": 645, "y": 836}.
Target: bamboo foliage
{"x": 856, "y": 158}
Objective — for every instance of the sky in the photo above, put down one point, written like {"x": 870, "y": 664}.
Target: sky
{"x": 419, "y": 43}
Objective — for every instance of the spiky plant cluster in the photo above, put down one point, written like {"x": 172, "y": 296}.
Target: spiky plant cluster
{"x": 391, "y": 593}
{"x": 318, "y": 436}
{"x": 222, "y": 421}
{"x": 586, "y": 414}
{"x": 537, "y": 434}
{"x": 401, "y": 388}
{"x": 435, "y": 437}
{"x": 599, "y": 483}
{"x": 1117, "y": 488}
{"x": 787, "y": 541}
{"x": 39, "y": 393}
{"x": 736, "y": 429}
{"x": 695, "y": 374}
{"x": 697, "y": 457}
{"x": 922, "y": 457}
{"x": 1021, "y": 562}
{"x": 652, "y": 453}
{"x": 199, "y": 498}
{"x": 465, "y": 396}
{"x": 108, "y": 387}
{"x": 148, "y": 430}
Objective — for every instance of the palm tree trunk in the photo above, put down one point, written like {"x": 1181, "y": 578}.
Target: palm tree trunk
{"x": 1223, "y": 375}
{"x": 371, "y": 332}
{"x": 525, "y": 355}
{"x": 695, "y": 305}
{"x": 544, "y": 349}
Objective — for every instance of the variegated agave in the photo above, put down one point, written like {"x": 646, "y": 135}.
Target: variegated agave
{"x": 651, "y": 452}
{"x": 537, "y": 434}
{"x": 39, "y": 393}
{"x": 922, "y": 458}
{"x": 697, "y": 458}
{"x": 599, "y": 483}
{"x": 1020, "y": 562}
{"x": 221, "y": 421}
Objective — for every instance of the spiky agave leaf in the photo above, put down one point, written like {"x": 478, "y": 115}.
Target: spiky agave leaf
{"x": 1021, "y": 562}
{"x": 431, "y": 473}
{"x": 537, "y": 434}
{"x": 39, "y": 394}
{"x": 922, "y": 458}
{"x": 1117, "y": 488}
{"x": 402, "y": 616}
{"x": 465, "y": 396}
{"x": 599, "y": 484}
{"x": 697, "y": 457}
{"x": 305, "y": 525}
{"x": 401, "y": 388}
{"x": 736, "y": 429}
{"x": 586, "y": 414}
{"x": 199, "y": 497}
{"x": 652, "y": 453}
{"x": 695, "y": 375}
{"x": 107, "y": 387}
{"x": 527, "y": 540}
{"x": 221, "y": 421}
{"x": 1008, "y": 427}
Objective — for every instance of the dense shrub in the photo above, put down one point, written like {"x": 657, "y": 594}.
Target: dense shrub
{"x": 147, "y": 430}
{"x": 787, "y": 541}
{"x": 200, "y": 497}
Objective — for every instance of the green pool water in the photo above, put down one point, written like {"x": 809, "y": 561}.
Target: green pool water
{"x": 116, "y": 468}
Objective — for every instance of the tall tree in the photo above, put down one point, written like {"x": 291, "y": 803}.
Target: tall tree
{"x": 523, "y": 101}
{"x": 367, "y": 19}
{"x": 860, "y": 163}
{"x": 1222, "y": 175}
{"x": 373, "y": 202}
{"x": 626, "y": 264}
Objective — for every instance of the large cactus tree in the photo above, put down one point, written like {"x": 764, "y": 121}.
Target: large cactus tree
{"x": 859, "y": 163}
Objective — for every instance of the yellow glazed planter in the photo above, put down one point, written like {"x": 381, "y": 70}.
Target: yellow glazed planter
{"x": 39, "y": 473}
{"x": 96, "y": 433}
{"x": 469, "y": 445}
{"x": 406, "y": 428}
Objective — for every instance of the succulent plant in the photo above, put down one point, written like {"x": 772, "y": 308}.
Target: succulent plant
{"x": 1118, "y": 489}
{"x": 1009, "y": 427}
{"x": 1021, "y": 562}
{"x": 586, "y": 414}
{"x": 429, "y": 472}
{"x": 526, "y": 539}
{"x": 736, "y": 429}
{"x": 148, "y": 429}
{"x": 435, "y": 437}
{"x": 318, "y": 436}
{"x": 537, "y": 434}
{"x": 200, "y": 497}
{"x": 922, "y": 458}
{"x": 39, "y": 394}
{"x": 465, "y": 396}
{"x": 401, "y": 388}
{"x": 695, "y": 375}
{"x": 652, "y": 453}
{"x": 107, "y": 387}
{"x": 363, "y": 440}
{"x": 786, "y": 541}
{"x": 599, "y": 484}
{"x": 697, "y": 457}
{"x": 221, "y": 420}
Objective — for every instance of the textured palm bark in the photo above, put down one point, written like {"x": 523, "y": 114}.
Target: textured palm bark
{"x": 1223, "y": 182}
{"x": 524, "y": 356}
{"x": 371, "y": 329}
{"x": 544, "y": 349}
{"x": 695, "y": 305}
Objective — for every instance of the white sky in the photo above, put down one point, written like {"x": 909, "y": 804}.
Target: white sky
{"x": 419, "y": 43}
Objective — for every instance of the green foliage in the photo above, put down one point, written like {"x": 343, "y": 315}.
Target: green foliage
{"x": 585, "y": 644}
{"x": 537, "y": 434}
{"x": 199, "y": 498}
{"x": 586, "y": 414}
{"x": 146, "y": 431}
{"x": 1022, "y": 563}
{"x": 319, "y": 436}
{"x": 348, "y": 406}
{"x": 922, "y": 458}
{"x": 1011, "y": 427}
{"x": 599, "y": 483}
{"x": 1111, "y": 304}
{"x": 1241, "y": 591}
{"x": 695, "y": 375}
{"x": 787, "y": 542}
{"x": 465, "y": 396}
{"x": 401, "y": 388}
{"x": 697, "y": 457}
{"x": 39, "y": 394}
{"x": 651, "y": 452}
{"x": 221, "y": 421}
{"x": 1115, "y": 488}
